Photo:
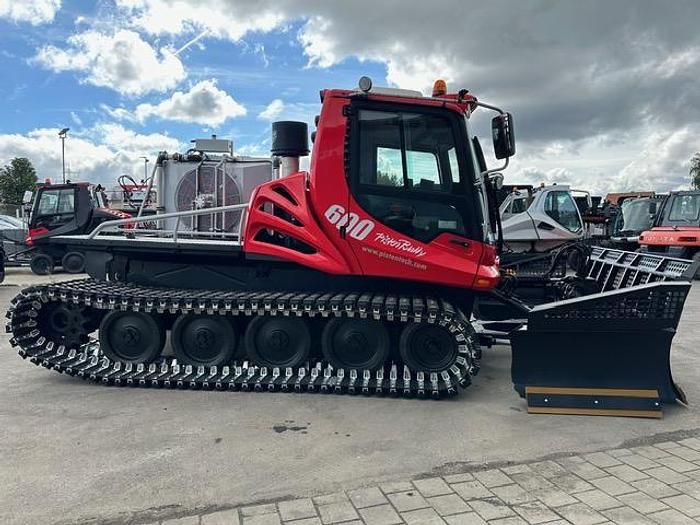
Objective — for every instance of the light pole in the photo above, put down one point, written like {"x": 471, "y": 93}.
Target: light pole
{"x": 145, "y": 168}
{"x": 62, "y": 135}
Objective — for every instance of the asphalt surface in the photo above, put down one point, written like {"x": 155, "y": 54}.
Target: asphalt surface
{"x": 74, "y": 452}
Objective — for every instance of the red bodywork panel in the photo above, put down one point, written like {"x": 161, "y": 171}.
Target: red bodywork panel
{"x": 344, "y": 238}
{"x": 671, "y": 236}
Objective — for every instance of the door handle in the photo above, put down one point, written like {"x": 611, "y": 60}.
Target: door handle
{"x": 545, "y": 226}
{"x": 463, "y": 244}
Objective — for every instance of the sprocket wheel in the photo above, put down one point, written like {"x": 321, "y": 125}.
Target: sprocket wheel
{"x": 66, "y": 324}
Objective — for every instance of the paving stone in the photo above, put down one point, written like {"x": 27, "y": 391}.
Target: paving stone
{"x": 642, "y": 502}
{"x": 535, "y": 512}
{"x": 336, "y": 497}
{"x": 671, "y": 517}
{"x": 380, "y": 515}
{"x": 458, "y": 478}
{"x": 448, "y": 504}
{"x": 516, "y": 469}
{"x": 513, "y": 494}
{"x": 626, "y": 516}
{"x": 337, "y": 512}
{"x": 185, "y": 520}
{"x": 491, "y": 508}
{"x": 693, "y": 443}
{"x": 256, "y": 510}
{"x": 224, "y": 517}
{"x": 613, "y": 486}
{"x": 601, "y": 459}
{"x": 685, "y": 504}
{"x": 432, "y": 487}
{"x": 262, "y": 519}
{"x": 405, "y": 501}
{"x": 314, "y": 521}
{"x": 296, "y": 509}
{"x": 650, "y": 452}
{"x": 367, "y": 497}
{"x": 667, "y": 475}
{"x": 666, "y": 445}
{"x": 686, "y": 453}
{"x": 571, "y": 483}
{"x": 422, "y": 517}
{"x": 678, "y": 464}
{"x": 532, "y": 481}
{"x": 548, "y": 469}
{"x": 468, "y": 518}
{"x": 654, "y": 488}
{"x": 586, "y": 470}
{"x": 471, "y": 489}
{"x": 397, "y": 486}
{"x": 492, "y": 478}
{"x": 639, "y": 462}
{"x": 513, "y": 520}
{"x": 626, "y": 473}
{"x": 598, "y": 500}
{"x": 619, "y": 452}
{"x": 554, "y": 497}
{"x": 581, "y": 514}
{"x": 691, "y": 488}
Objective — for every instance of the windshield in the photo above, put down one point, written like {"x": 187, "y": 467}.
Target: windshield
{"x": 635, "y": 216}
{"x": 685, "y": 208}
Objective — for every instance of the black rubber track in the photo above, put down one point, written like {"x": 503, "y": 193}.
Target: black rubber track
{"x": 90, "y": 363}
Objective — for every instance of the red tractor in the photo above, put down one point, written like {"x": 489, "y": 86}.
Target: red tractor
{"x": 676, "y": 232}
{"x": 360, "y": 275}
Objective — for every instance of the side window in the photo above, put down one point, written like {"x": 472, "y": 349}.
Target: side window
{"x": 48, "y": 203}
{"x": 409, "y": 173}
{"x": 519, "y": 205}
{"x": 560, "y": 206}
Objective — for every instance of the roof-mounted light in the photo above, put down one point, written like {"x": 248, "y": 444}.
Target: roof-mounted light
{"x": 439, "y": 88}
{"x": 365, "y": 84}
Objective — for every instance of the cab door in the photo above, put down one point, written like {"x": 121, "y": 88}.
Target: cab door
{"x": 414, "y": 212}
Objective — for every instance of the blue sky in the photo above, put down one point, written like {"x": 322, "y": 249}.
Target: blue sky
{"x": 604, "y": 94}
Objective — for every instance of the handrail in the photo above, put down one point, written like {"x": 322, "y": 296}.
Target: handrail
{"x": 176, "y": 214}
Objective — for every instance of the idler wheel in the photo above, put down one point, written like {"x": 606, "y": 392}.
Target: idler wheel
{"x": 64, "y": 323}
{"x": 427, "y": 347}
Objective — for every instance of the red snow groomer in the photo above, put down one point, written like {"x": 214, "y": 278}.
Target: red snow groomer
{"x": 376, "y": 271}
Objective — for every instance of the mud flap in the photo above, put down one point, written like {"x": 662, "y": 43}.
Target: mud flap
{"x": 608, "y": 351}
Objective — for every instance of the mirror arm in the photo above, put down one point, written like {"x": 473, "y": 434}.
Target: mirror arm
{"x": 500, "y": 112}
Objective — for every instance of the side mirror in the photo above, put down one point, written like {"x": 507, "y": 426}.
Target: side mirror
{"x": 503, "y": 136}
{"x": 496, "y": 180}
{"x": 27, "y": 197}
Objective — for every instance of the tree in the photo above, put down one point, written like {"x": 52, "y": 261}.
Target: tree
{"x": 695, "y": 171}
{"x": 16, "y": 178}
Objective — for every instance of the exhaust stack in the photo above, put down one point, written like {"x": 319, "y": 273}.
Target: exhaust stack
{"x": 290, "y": 141}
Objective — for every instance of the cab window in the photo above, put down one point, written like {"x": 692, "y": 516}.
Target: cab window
{"x": 56, "y": 202}
{"x": 561, "y": 207}
{"x": 409, "y": 172}
{"x": 685, "y": 208}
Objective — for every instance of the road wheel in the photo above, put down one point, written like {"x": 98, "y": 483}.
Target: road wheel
{"x": 278, "y": 341}
{"x": 132, "y": 337}
{"x": 41, "y": 264}
{"x": 427, "y": 347}
{"x": 73, "y": 262}
{"x": 359, "y": 344}
{"x": 202, "y": 340}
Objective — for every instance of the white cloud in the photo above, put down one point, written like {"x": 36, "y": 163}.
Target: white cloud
{"x": 122, "y": 61}
{"x": 35, "y": 12}
{"x": 204, "y": 103}
{"x": 111, "y": 151}
{"x": 273, "y": 110}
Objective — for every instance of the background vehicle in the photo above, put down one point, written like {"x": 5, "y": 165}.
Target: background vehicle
{"x": 635, "y": 216}
{"x": 676, "y": 231}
